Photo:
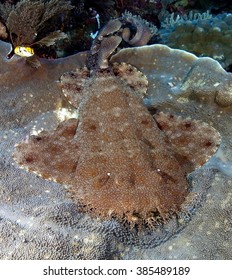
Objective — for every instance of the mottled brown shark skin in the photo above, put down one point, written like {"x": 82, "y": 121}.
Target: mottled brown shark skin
{"x": 122, "y": 167}
{"x": 116, "y": 159}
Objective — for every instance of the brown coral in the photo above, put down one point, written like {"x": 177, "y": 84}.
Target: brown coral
{"x": 142, "y": 36}
{"x": 3, "y": 33}
{"x": 177, "y": 74}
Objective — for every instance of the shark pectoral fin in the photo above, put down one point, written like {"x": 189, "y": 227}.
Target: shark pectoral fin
{"x": 192, "y": 140}
{"x": 51, "y": 154}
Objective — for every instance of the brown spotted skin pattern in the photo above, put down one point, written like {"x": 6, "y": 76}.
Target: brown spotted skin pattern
{"x": 116, "y": 158}
{"x": 117, "y": 161}
{"x": 122, "y": 166}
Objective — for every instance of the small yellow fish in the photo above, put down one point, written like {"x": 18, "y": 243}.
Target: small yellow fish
{"x": 24, "y": 51}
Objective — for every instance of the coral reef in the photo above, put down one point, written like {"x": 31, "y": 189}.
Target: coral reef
{"x": 83, "y": 21}
{"x": 43, "y": 78}
{"x": 201, "y": 78}
{"x": 145, "y": 30}
{"x": 39, "y": 221}
{"x": 201, "y": 34}
{"x": 3, "y": 33}
{"x": 27, "y": 21}
{"x": 27, "y": 18}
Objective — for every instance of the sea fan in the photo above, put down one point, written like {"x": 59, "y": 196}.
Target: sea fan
{"x": 52, "y": 38}
{"x": 27, "y": 18}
